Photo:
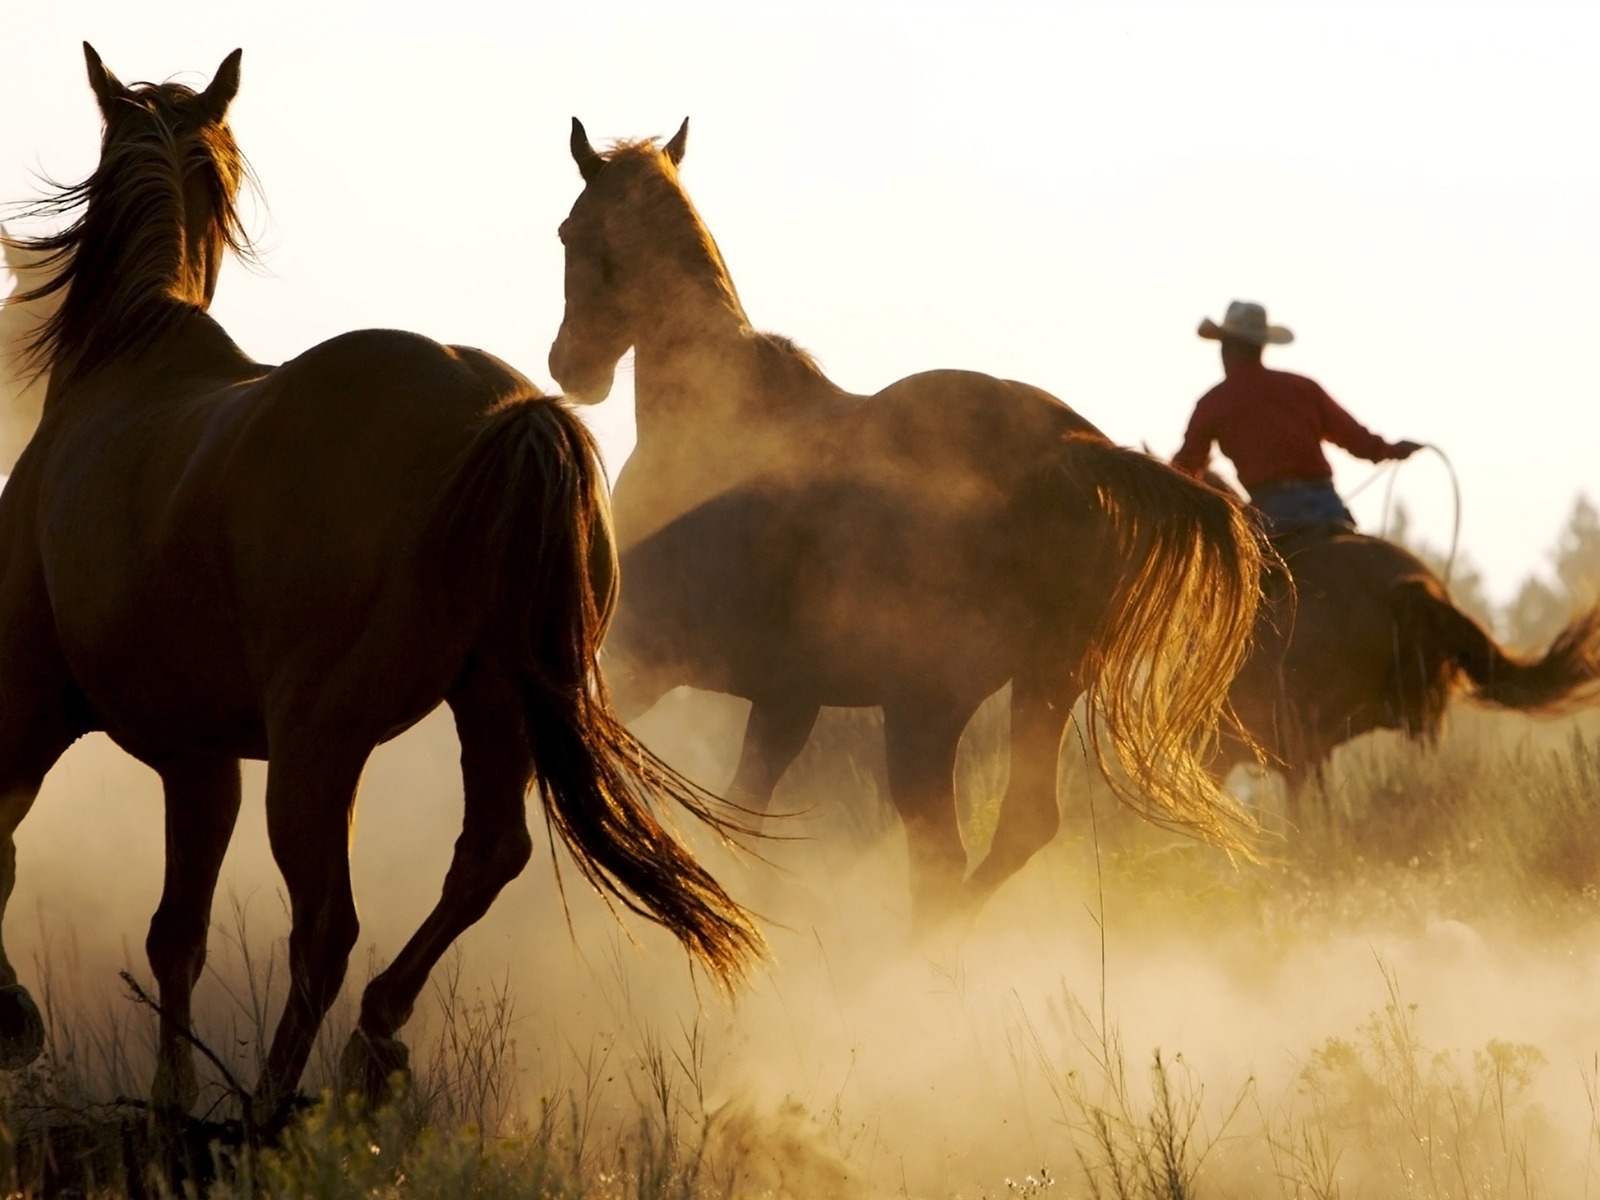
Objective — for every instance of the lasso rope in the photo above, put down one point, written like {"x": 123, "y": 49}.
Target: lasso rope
{"x": 1392, "y": 470}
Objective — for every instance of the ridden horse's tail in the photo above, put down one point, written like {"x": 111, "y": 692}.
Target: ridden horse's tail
{"x": 1186, "y": 565}
{"x": 526, "y": 518}
{"x": 1430, "y": 629}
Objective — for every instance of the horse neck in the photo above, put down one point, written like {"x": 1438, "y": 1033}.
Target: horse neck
{"x": 141, "y": 263}
{"x": 689, "y": 374}
{"x": 191, "y": 351}
{"x": 715, "y": 408}
{"x": 701, "y": 373}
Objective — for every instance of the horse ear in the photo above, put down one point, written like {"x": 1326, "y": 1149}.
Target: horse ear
{"x": 583, "y": 153}
{"x": 107, "y": 87}
{"x": 224, "y": 87}
{"x": 679, "y": 143}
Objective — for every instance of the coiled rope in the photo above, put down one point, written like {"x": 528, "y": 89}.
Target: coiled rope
{"x": 1392, "y": 471}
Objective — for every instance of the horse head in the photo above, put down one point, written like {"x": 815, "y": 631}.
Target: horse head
{"x": 632, "y": 239}
{"x": 149, "y": 227}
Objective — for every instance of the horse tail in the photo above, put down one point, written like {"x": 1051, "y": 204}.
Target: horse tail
{"x": 1565, "y": 677}
{"x": 526, "y": 519}
{"x": 1175, "y": 628}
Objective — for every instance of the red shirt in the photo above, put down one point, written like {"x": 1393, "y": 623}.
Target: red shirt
{"x": 1271, "y": 425}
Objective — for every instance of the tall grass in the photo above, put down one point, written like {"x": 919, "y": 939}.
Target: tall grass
{"x": 1493, "y": 839}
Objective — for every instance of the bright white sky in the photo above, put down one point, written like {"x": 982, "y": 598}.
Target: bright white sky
{"x": 1055, "y": 192}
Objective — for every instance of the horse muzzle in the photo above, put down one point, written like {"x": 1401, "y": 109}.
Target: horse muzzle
{"x": 580, "y": 382}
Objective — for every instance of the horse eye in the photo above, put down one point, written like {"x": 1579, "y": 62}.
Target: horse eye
{"x": 608, "y": 270}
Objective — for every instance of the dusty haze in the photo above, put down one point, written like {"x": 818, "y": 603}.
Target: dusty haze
{"x": 859, "y": 1067}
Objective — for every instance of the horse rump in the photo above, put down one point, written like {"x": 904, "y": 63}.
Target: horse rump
{"x": 1183, "y": 564}
{"x": 522, "y": 530}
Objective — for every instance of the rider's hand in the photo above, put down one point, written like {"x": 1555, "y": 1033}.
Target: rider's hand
{"x": 1406, "y": 449}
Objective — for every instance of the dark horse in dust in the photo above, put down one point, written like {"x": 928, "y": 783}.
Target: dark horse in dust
{"x": 212, "y": 559}
{"x": 917, "y": 549}
{"x": 1367, "y": 639}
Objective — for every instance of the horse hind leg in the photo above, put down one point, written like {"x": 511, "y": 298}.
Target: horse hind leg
{"x": 202, "y": 806}
{"x": 777, "y": 730}
{"x": 921, "y": 734}
{"x": 494, "y": 846}
{"x": 1030, "y": 814}
{"x": 311, "y": 790}
{"x": 635, "y": 686}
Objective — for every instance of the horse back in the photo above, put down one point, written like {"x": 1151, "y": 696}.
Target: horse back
{"x": 1361, "y": 558}
{"x": 965, "y": 411}
{"x": 902, "y": 511}
{"x": 328, "y": 478}
{"x": 958, "y": 430}
{"x": 262, "y": 536}
{"x": 1346, "y": 591}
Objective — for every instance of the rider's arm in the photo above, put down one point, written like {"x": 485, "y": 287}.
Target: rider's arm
{"x": 1344, "y": 431}
{"x": 1194, "y": 455}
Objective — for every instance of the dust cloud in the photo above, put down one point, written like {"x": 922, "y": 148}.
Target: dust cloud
{"x": 857, "y": 1063}
{"x": 21, "y": 390}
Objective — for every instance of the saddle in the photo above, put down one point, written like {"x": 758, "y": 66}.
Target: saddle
{"x": 1289, "y": 541}
{"x": 1277, "y": 578}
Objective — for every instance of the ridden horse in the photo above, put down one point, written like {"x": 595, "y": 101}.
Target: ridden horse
{"x": 917, "y": 549}
{"x": 1367, "y": 638}
{"x": 209, "y": 558}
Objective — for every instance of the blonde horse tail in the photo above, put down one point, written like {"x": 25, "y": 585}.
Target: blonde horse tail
{"x": 526, "y": 518}
{"x": 1185, "y": 565}
{"x": 1564, "y": 678}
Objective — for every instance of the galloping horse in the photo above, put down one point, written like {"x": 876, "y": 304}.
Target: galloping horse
{"x": 209, "y": 559}
{"x": 1369, "y": 639}
{"x": 915, "y": 550}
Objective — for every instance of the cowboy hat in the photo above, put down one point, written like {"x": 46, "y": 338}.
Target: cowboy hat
{"x": 1246, "y": 322}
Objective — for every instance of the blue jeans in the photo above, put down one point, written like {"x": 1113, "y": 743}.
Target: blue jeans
{"x": 1296, "y": 504}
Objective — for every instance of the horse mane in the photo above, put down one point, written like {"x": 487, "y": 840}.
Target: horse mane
{"x": 785, "y": 367}
{"x": 117, "y": 268}
{"x": 652, "y": 179}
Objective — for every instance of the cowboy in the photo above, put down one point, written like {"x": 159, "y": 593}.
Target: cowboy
{"x": 1272, "y": 424}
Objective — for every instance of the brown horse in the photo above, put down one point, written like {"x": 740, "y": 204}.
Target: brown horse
{"x": 915, "y": 550}
{"x": 1369, "y": 639}
{"x": 210, "y": 559}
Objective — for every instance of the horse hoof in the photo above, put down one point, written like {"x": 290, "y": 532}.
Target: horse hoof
{"x": 374, "y": 1069}
{"x": 21, "y": 1028}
